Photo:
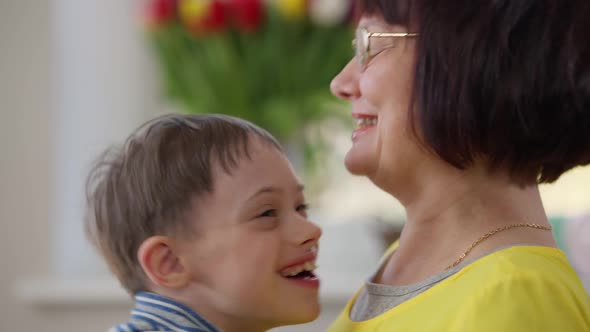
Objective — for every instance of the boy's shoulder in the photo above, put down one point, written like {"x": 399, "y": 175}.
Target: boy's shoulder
{"x": 153, "y": 312}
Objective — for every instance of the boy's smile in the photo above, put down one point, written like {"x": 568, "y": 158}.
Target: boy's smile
{"x": 253, "y": 256}
{"x": 301, "y": 271}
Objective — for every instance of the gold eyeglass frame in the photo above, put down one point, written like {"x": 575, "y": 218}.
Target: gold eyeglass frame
{"x": 364, "y": 57}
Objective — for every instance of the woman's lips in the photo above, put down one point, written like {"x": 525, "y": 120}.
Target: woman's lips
{"x": 364, "y": 122}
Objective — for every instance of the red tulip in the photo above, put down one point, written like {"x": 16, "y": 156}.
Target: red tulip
{"x": 158, "y": 12}
{"x": 204, "y": 16}
{"x": 247, "y": 14}
{"x": 217, "y": 18}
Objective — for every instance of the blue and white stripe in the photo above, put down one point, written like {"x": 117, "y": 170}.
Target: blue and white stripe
{"x": 153, "y": 312}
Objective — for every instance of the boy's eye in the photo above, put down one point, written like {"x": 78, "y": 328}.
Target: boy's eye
{"x": 268, "y": 213}
{"x": 302, "y": 208}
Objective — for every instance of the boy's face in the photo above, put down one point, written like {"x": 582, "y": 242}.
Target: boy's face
{"x": 252, "y": 232}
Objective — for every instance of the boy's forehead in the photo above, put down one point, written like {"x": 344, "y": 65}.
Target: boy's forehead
{"x": 263, "y": 169}
{"x": 242, "y": 155}
{"x": 275, "y": 189}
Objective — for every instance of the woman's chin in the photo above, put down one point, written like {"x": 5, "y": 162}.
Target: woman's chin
{"x": 356, "y": 164}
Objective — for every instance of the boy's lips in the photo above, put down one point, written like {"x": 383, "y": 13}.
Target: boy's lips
{"x": 364, "y": 122}
{"x": 294, "y": 270}
{"x": 300, "y": 271}
{"x": 301, "y": 261}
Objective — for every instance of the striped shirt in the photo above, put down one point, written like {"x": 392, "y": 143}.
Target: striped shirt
{"x": 153, "y": 312}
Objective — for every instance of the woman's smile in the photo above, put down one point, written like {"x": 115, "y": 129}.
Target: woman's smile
{"x": 364, "y": 123}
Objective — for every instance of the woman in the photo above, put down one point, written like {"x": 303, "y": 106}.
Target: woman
{"x": 462, "y": 108}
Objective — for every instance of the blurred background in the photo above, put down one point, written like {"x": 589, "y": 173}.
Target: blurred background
{"x": 79, "y": 75}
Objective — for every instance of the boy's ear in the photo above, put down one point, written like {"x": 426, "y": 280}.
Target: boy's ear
{"x": 161, "y": 264}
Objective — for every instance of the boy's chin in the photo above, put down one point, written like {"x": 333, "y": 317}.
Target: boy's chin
{"x": 310, "y": 314}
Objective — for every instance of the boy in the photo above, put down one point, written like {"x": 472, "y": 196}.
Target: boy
{"x": 202, "y": 219}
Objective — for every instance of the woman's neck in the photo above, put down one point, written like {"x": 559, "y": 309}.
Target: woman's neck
{"x": 449, "y": 214}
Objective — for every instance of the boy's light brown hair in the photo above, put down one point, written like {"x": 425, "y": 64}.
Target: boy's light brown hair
{"x": 148, "y": 186}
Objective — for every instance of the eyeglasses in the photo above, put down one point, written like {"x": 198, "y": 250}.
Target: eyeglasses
{"x": 362, "y": 47}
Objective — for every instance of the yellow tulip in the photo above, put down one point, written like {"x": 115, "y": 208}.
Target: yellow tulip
{"x": 192, "y": 11}
{"x": 292, "y": 9}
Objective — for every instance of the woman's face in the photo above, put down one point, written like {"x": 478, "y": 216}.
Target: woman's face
{"x": 383, "y": 146}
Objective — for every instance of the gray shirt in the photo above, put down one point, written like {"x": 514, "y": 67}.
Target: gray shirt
{"x": 375, "y": 299}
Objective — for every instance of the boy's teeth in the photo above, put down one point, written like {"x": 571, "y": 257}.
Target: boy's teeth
{"x": 308, "y": 266}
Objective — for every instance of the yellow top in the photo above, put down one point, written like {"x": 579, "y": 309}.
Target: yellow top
{"x": 521, "y": 288}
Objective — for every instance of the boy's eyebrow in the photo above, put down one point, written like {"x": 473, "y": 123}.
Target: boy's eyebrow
{"x": 271, "y": 189}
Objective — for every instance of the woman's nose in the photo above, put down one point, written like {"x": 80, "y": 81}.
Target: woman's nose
{"x": 345, "y": 84}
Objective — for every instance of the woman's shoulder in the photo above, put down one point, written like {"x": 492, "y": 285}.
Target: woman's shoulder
{"x": 523, "y": 262}
{"x": 520, "y": 288}
{"x": 529, "y": 284}
{"x": 531, "y": 265}
{"x": 532, "y": 275}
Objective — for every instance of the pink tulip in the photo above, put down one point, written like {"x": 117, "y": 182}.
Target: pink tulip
{"x": 159, "y": 12}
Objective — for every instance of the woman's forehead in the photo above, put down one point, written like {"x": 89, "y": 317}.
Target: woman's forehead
{"x": 371, "y": 21}
{"x": 391, "y": 11}
{"x": 376, "y": 24}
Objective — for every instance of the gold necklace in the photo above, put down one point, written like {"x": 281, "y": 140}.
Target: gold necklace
{"x": 490, "y": 233}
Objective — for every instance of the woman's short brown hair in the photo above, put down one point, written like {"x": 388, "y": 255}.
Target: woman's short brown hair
{"x": 501, "y": 80}
{"x": 148, "y": 186}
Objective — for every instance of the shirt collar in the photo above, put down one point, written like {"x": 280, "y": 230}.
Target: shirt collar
{"x": 167, "y": 313}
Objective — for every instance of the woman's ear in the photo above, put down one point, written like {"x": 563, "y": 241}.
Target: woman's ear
{"x": 161, "y": 263}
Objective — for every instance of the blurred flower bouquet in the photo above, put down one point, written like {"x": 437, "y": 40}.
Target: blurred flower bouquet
{"x": 268, "y": 61}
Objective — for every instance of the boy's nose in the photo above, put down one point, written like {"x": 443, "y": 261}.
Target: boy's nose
{"x": 345, "y": 84}
{"x": 310, "y": 233}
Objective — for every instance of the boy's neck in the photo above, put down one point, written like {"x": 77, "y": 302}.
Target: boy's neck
{"x": 222, "y": 321}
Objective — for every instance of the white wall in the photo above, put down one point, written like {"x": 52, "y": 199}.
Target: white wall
{"x": 28, "y": 137}
{"x": 30, "y": 150}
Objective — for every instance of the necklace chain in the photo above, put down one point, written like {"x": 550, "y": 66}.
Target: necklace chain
{"x": 493, "y": 232}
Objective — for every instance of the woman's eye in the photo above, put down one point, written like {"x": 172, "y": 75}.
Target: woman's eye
{"x": 268, "y": 213}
